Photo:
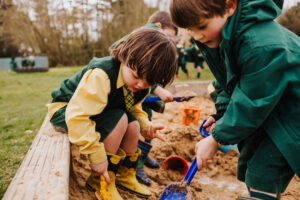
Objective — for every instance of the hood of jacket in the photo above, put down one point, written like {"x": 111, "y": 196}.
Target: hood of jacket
{"x": 249, "y": 13}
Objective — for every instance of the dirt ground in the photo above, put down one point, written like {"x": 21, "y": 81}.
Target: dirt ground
{"x": 217, "y": 181}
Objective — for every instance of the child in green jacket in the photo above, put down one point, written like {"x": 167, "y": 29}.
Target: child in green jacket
{"x": 181, "y": 60}
{"x": 194, "y": 55}
{"x": 256, "y": 64}
{"x": 13, "y": 64}
{"x": 24, "y": 62}
{"x": 100, "y": 107}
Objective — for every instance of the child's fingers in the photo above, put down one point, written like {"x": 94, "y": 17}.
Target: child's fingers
{"x": 106, "y": 176}
{"x": 159, "y": 137}
{"x": 209, "y": 121}
{"x": 157, "y": 128}
{"x": 196, "y": 148}
{"x": 199, "y": 163}
{"x": 212, "y": 127}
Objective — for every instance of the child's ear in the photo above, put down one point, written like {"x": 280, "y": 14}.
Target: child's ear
{"x": 231, "y": 6}
{"x": 158, "y": 24}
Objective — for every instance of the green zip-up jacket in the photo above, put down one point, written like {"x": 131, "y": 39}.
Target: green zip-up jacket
{"x": 257, "y": 65}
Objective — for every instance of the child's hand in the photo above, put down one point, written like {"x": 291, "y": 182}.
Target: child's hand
{"x": 150, "y": 132}
{"x": 101, "y": 169}
{"x": 163, "y": 94}
{"x": 205, "y": 150}
{"x": 209, "y": 124}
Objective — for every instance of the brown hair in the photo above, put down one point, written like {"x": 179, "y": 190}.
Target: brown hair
{"x": 163, "y": 18}
{"x": 189, "y": 13}
{"x": 150, "y": 53}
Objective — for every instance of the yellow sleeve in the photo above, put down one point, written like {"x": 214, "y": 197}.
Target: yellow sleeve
{"x": 140, "y": 115}
{"x": 90, "y": 98}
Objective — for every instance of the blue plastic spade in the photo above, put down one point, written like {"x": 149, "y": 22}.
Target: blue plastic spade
{"x": 178, "y": 99}
{"x": 181, "y": 190}
{"x": 224, "y": 148}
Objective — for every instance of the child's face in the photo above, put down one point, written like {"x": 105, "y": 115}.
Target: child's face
{"x": 169, "y": 32}
{"x": 133, "y": 82}
{"x": 209, "y": 32}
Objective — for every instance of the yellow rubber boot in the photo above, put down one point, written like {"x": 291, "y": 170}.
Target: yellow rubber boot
{"x": 114, "y": 162}
{"x": 126, "y": 178}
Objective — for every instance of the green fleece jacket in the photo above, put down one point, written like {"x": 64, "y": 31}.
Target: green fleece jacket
{"x": 257, "y": 66}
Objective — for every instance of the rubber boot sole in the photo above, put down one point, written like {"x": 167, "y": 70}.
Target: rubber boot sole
{"x": 133, "y": 192}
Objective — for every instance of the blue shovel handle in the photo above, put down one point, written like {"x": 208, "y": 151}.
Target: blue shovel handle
{"x": 202, "y": 131}
{"x": 150, "y": 99}
{"x": 191, "y": 172}
{"x": 224, "y": 148}
{"x": 178, "y": 99}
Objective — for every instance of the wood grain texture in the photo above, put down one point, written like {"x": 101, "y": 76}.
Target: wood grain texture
{"x": 44, "y": 172}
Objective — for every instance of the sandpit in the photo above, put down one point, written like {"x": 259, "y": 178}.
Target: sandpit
{"x": 216, "y": 181}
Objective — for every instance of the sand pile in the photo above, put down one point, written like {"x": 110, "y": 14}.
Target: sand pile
{"x": 217, "y": 181}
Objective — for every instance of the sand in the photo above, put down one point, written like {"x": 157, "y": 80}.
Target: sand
{"x": 216, "y": 181}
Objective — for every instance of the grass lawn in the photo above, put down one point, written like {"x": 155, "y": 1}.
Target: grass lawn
{"x": 22, "y": 110}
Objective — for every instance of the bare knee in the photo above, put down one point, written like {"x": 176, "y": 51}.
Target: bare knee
{"x": 130, "y": 139}
{"x": 113, "y": 140}
{"x": 133, "y": 129}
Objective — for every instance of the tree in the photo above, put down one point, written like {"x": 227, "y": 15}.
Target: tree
{"x": 8, "y": 48}
{"x": 68, "y": 31}
{"x": 119, "y": 18}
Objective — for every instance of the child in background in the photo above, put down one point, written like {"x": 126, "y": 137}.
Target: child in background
{"x": 256, "y": 64}
{"x": 100, "y": 106}
{"x": 161, "y": 21}
{"x": 24, "y": 62}
{"x": 13, "y": 64}
{"x": 31, "y": 61}
{"x": 194, "y": 55}
{"x": 181, "y": 58}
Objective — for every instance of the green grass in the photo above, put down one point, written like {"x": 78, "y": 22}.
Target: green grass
{"x": 205, "y": 74}
{"x": 22, "y": 107}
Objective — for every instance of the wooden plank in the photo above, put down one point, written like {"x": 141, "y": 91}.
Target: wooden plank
{"x": 44, "y": 172}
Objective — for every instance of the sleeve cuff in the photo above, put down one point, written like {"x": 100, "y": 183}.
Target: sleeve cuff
{"x": 218, "y": 139}
{"x": 98, "y": 157}
{"x": 145, "y": 124}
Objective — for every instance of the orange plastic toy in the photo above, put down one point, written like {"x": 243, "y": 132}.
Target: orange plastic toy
{"x": 190, "y": 114}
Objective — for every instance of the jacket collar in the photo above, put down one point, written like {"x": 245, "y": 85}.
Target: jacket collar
{"x": 120, "y": 80}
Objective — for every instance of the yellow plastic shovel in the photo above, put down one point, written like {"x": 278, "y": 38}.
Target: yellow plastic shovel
{"x": 104, "y": 194}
